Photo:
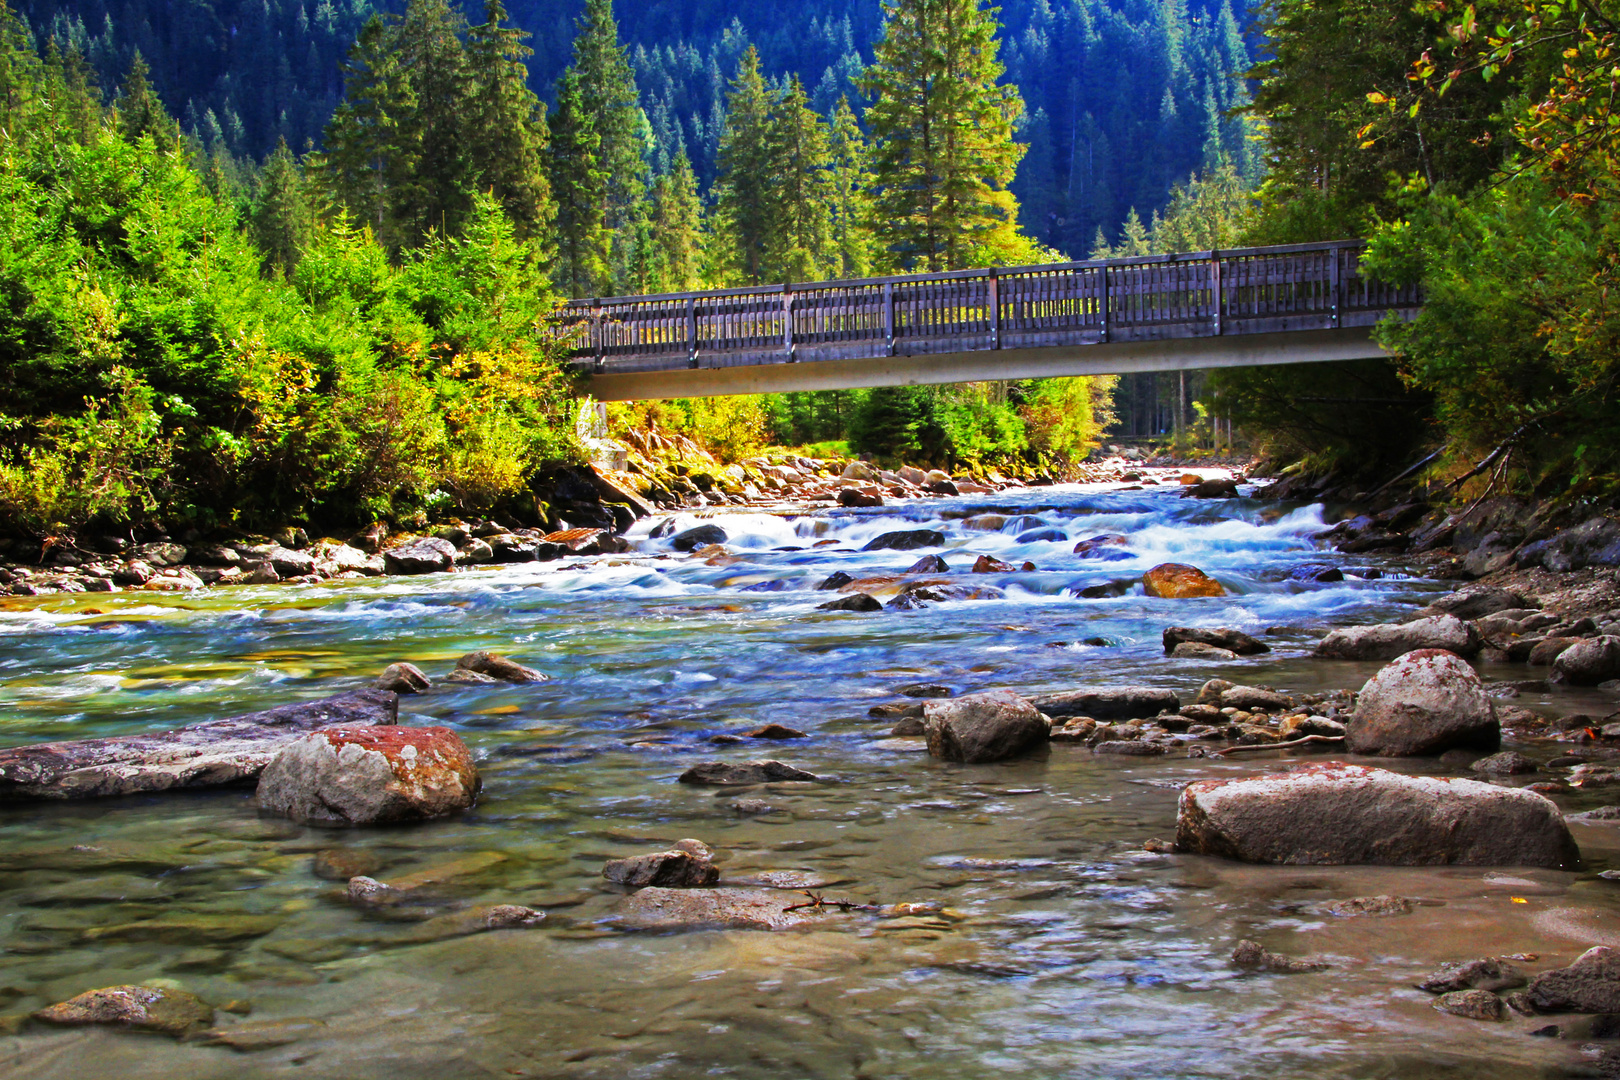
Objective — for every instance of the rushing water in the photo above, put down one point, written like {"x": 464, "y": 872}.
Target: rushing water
{"x": 1066, "y": 949}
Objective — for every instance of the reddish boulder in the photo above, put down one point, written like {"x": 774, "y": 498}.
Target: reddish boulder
{"x": 1178, "y": 581}
{"x": 370, "y": 776}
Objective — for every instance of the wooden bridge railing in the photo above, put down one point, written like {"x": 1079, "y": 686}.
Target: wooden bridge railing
{"x": 1204, "y": 294}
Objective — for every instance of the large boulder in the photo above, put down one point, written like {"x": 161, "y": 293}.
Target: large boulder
{"x": 907, "y": 540}
{"x": 1386, "y": 641}
{"x": 1592, "y": 543}
{"x": 1589, "y": 661}
{"x": 990, "y": 726}
{"x": 1108, "y": 702}
{"x": 1339, "y": 814}
{"x": 700, "y": 536}
{"x": 1222, "y": 638}
{"x": 1426, "y": 702}
{"x": 211, "y": 754}
{"x": 687, "y": 865}
{"x": 1178, "y": 581}
{"x": 351, "y": 775}
{"x": 1590, "y": 985}
{"x": 426, "y": 556}
{"x": 1474, "y": 602}
{"x": 137, "y": 1008}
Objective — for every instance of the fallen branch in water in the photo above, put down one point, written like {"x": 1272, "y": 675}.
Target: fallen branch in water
{"x": 1278, "y": 745}
{"x": 819, "y": 902}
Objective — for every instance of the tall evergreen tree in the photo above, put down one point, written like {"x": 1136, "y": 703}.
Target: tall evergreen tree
{"x": 678, "y": 228}
{"x": 365, "y": 153}
{"x": 747, "y": 200}
{"x": 799, "y": 245}
{"x": 283, "y": 218}
{"x": 436, "y": 195}
{"x": 943, "y": 131}
{"x": 607, "y": 93}
{"x": 850, "y": 198}
{"x": 506, "y": 124}
{"x": 141, "y": 113}
{"x": 579, "y": 185}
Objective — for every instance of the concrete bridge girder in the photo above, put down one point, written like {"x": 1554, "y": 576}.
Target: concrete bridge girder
{"x": 1115, "y": 358}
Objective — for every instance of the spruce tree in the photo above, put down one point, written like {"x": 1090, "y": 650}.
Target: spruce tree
{"x": 799, "y": 243}
{"x": 943, "y": 132}
{"x": 506, "y": 124}
{"x": 850, "y": 198}
{"x": 141, "y": 113}
{"x": 365, "y": 153}
{"x": 677, "y": 228}
{"x": 607, "y": 93}
{"x": 748, "y": 200}
{"x": 283, "y": 220}
{"x": 434, "y": 196}
{"x": 578, "y": 185}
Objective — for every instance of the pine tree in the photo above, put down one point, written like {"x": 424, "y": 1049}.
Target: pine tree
{"x": 747, "y": 200}
{"x": 141, "y": 113}
{"x": 799, "y": 243}
{"x": 677, "y": 228}
{"x": 434, "y": 196}
{"x": 506, "y": 124}
{"x": 607, "y": 93}
{"x": 851, "y": 199}
{"x": 365, "y": 154}
{"x": 943, "y": 132}
{"x": 578, "y": 185}
{"x": 283, "y": 219}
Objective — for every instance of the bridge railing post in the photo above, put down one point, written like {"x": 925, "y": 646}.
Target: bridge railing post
{"x": 888, "y": 317}
{"x": 691, "y": 332}
{"x": 995, "y": 309}
{"x": 1217, "y": 297}
{"x": 1336, "y": 275}
{"x": 1102, "y": 300}
{"x": 598, "y": 332}
{"x": 787, "y": 321}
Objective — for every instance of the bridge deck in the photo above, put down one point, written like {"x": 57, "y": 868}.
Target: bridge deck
{"x": 951, "y": 326}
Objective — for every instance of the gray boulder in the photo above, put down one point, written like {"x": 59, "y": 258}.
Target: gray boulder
{"x": 1592, "y": 543}
{"x": 427, "y": 556}
{"x": 1108, "y": 702}
{"x": 989, "y": 726}
{"x": 1589, "y": 661}
{"x": 1489, "y": 973}
{"x": 1475, "y": 602}
{"x": 687, "y": 865}
{"x": 1386, "y": 641}
{"x": 1233, "y": 640}
{"x": 354, "y": 775}
{"x": 1590, "y": 985}
{"x": 1427, "y": 702}
{"x": 1197, "y": 650}
{"x": 700, "y": 536}
{"x": 162, "y": 1011}
{"x": 211, "y": 754}
{"x": 1340, "y": 814}
{"x": 906, "y": 541}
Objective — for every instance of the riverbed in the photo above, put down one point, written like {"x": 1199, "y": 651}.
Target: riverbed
{"x": 1059, "y": 948}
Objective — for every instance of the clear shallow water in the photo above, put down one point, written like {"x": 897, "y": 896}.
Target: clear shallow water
{"x": 1068, "y": 950}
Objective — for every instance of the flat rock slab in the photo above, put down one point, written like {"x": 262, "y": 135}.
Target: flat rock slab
{"x": 1340, "y": 814}
{"x": 663, "y": 909}
{"x": 1108, "y": 702}
{"x": 724, "y": 773}
{"x": 212, "y": 754}
{"x": 141, "y": 1008}
{"x": 1386, "y": 641}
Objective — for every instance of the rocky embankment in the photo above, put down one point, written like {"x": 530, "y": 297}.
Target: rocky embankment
{"x": 577, "y": 511}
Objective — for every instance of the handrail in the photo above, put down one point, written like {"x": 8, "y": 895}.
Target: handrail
{"x": 1098, "y": 301}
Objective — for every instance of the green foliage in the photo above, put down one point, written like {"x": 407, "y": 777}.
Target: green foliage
{"x": 151, "y": 367}
{"x": 1030, "y": 420}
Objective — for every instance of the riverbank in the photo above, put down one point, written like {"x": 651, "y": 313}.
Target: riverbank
{"x": 1036, "y": 900}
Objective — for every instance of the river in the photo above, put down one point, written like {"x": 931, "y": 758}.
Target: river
{"x": 1065, "y": 949}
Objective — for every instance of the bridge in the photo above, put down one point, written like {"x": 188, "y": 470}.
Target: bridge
{"x": 1273, "y": 305}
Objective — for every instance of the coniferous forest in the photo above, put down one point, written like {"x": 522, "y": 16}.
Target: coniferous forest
{"x": 264, "y": 259}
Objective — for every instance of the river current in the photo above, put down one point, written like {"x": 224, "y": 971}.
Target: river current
{"x": 1065, "y": 949}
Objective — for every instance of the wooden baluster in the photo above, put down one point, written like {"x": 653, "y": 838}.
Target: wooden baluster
{"x": 1217, "y": 297}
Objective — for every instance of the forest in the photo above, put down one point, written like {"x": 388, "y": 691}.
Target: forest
{"x": 326, "y": 298}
